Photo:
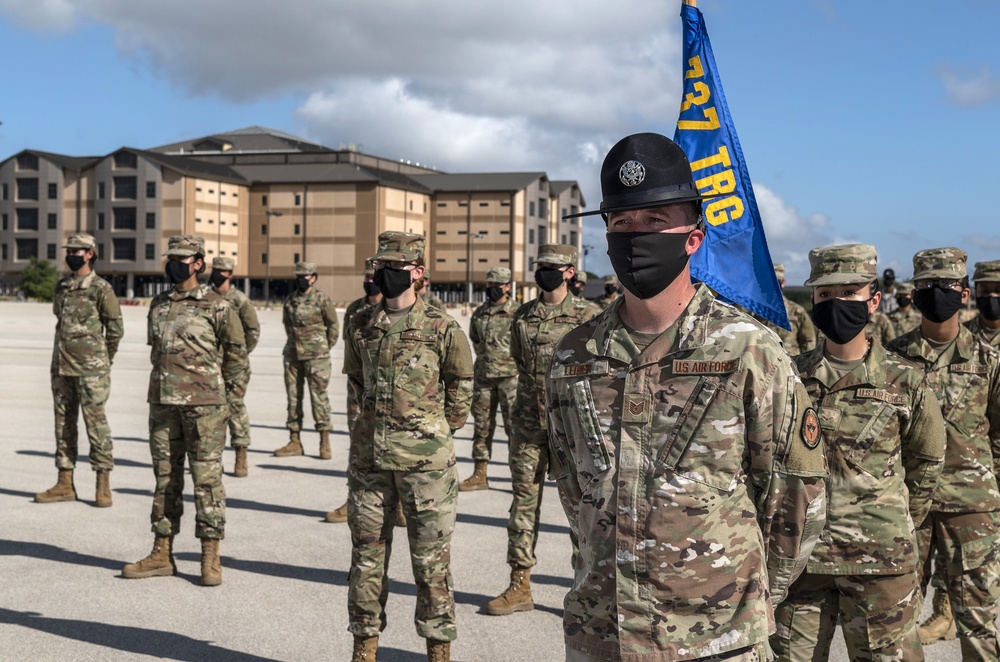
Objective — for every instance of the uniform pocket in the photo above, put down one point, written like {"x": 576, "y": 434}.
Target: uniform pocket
{"x": 590, "y": 432}
{"x": 860, "y": 454}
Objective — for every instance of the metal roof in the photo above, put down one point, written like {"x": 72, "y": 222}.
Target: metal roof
{"x": 510, "y": 182}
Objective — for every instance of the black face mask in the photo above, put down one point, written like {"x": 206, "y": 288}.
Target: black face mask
{"x": 218, "y": 278}
{"x": 548, "y": 279}
{"x": 371, "y": 289}
{"x": 75, "y": 262}
{"x": 392, "y": 282}
{"x": 646, "y": 262}
{"x": 936, "y": 304}
{"x": 989, "y": 308}
{"x": 610, "y": 289}
{"x": 302, "y": 283}
{"x": 841, "y": 321}
{"x": 178, "y": 272}
{"x": 903, "y": 302}
{"x": 495, "y": 293}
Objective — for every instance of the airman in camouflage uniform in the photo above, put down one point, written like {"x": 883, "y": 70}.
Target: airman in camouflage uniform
{"x": 963, "y": 527}
{"x": 880, "y": 327}
{"x": 372, "y": 297}
{"x": 987, "y": 324}
{"x": 495, "y": 370}
{"x": 88, "y": 329}
{"x": 310, "y": 321}
{"x": 884, "y": 438}
{"x": 538, "y": 327}
{"x": 198, "y": 354}
{"x": 802, "y": 336}
{"x": 413, "y": 366}
{"x": 686, "y": 453}
{"x": 239, "y": 419}
{"x": 425, "y": 293}
{"x": 579, "y": 284}
{"x": 906, "y": 317}
{"x": 610, "y": 292}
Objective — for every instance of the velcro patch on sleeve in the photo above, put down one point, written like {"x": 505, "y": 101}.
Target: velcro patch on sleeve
{"x": 881, "y": 394}
{"x": 682, "y": 367}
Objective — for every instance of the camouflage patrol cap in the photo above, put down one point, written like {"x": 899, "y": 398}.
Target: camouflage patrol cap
{"x": 305, "y": 268}
{"x": 940, "y": 263}
{"x": 849, "y": 264}
{"x": 401, "y": 246}
{"x": 369, "y": 269}
{"x": 581, "y": 277}
{"x": 81, "y": 240}
{"x": 185, "y": 245}
{"x": 903, "y": 289}
{"x": 556, "y": 254}
{"x": 223, "y": 264}
{"x": 498, "y": 275}
{"x": 987, "y": 272}
{"x": 611, "y": 280}
{"x": 779, "y": 270}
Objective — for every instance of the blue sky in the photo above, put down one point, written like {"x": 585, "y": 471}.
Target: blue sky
{"x": 871, "y": 122}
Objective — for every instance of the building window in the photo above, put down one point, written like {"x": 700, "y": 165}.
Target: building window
{"x": 124, "y": 249}
{"x": 543, "y": 207}
{"x": 440, "y": 204}
{"x": 572, "y": 238}
{"x": 50, "y": 251}
{"x": 53, "y": 221}
{"x": 504, "y": 259}
{"x": 124, "y": 219}
{"x": 4, "y": 221}
{"x": 295, "y": 258}
{"x": 197, "y": 189}
{"x": 531, "y": 263}
{"x": 563, "y": 211}
{"x": 263, "y": 258}
{"x": 27, "y": 162}
{"x": 263, "y": 201}
{"x": 125, "y": 188}
{"x": 100, "y": 220}
{"x": 27, "y": 189}
{"x": 150, "y": 189}
{"x": 543, "y": 234}
{"x": 531, "y": 236}
{"x": 573, "y": 209}
{"x": 125, "y": 160}
{"x": 298, "y": 199}
{"x": 563, "y": 239}
{"x": 296, "y": 231}
{"x": 27, "y": 249}
{"x": 531, "y": 208}
{"x": 411, "y": 205}
{"x": 53, "y": 192}
{"x": 504, "y": 231}
{"x": 482, "y": 259}
{"x": 484, "y": 204}
{"x": 150, "y": 251}
{"x": 150, "y": 220}
{"x": 100, "y": 190}
{"x": 425, "y": 206}
{"x": 505, "y": 203}
{"x": 27, "y": 219}
{"x": 463, "y": 203}
{"x": 439, "y": 232}
{"x": 263, "y": 228}
{"x": 3, "y": 251}
{"x": 440, "y": 259}
{"x": 100, "y": 251}
{"x": 6, "y": 192}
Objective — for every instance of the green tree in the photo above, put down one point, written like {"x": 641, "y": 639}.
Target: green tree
{"x": 38, "y": 280}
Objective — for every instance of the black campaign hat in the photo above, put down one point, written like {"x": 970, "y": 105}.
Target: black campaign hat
{"x": 645, "y": 170}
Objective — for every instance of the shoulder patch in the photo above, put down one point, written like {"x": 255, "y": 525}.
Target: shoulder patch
{"x": 706, "y": 367}
{"x": 968, "y": 368}
{"x": 810, "y": 428}
{"x": 880, "y": 394}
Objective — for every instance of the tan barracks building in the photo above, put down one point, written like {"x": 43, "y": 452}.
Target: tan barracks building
{"x": 269, "y": 199}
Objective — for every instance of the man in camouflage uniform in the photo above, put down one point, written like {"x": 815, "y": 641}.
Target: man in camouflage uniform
{"x": 963, "y": 527}
{"x": 579, "y": 284}
{"x": 987, "y": 324}
{"x": 372, "y": 297}
{"x": 538, "y": 327}
{"x": 906, "y": 317}
{"x": 198, "y": 355}
{"x": 880, "y": 327}
{"x": 239, "y": 419}
{"x": 687, "y": 456}
{"x": 802, "y": 336}
{"x": 495, "y": 371}
{"x": 884, "y": 438}
{"x": 310, "y": 321}
{"x": 610, "y": 292}
{"x": 88, "y": 329}
{"x": 424, "y": 290}
{"x": 413, "y": 367}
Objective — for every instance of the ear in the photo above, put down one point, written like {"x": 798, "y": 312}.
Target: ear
{"x": 418, "y": 272}
{"x": 966, "y": 293}
{"x": 874, "y": 302}
{"x": 694, "y": 241}
{"x": 569, "y": 273}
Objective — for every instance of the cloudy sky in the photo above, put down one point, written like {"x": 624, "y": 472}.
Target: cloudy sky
{"x": 870, "y": 122}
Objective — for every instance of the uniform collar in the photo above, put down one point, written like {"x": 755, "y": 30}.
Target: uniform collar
{"x": 562, "y": 308}
{"x": 197, "y": 293}
{"x": 918, "y": 347}
{"x": 870, "y": 372}
{"x": 74, "y": 283}
{"x": 410, "y": 321}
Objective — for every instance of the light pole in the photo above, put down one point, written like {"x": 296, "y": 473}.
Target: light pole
{"x": 586, "y": 251}
{"x": 267, "y": 265}
{"x": 472, "y": 262}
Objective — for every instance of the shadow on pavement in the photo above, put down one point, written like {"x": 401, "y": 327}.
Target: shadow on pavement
{"x": 501, "y": 522}
{"x": 313, "y": 472}
{"x": 240, "y": 503}
{"x": 142, "y": 641}
{"x": 29, "y": 495}
{"x": 397, "y": 655}
{"x": 83, "y": 463}
{"x": 39, "y": 550}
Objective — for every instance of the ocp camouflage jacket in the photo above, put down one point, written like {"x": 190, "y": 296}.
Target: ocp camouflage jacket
{"x": 88, "y": 326}
{"x": 489, "y": 331}
{"x": 311, "y": 325}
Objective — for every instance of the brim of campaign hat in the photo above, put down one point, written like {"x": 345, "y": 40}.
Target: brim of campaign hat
{"x": 656, "y": 198}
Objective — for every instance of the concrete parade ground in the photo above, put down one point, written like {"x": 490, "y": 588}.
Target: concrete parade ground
{"x": 284, "y": 590}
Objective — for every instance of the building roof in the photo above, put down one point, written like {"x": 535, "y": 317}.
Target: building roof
{"x": 326, "y": 173}
{"x": 560, "y": 186}
{"x": 508, "y": 182}
{"x": 75, "y": 163}
{"x": 247, "y": 139}
{"x": 188, "y": 167}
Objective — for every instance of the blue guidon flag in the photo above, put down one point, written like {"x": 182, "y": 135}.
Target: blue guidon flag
{"x": 734, "y": 260}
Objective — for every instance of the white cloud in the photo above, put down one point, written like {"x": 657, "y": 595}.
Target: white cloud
{"x": 969, "y": 87}
{"x": 790, "y": 234}
{"x": 41, "y": 15}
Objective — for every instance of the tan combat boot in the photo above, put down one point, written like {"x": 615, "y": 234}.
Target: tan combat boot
{"x": 324, "y": 445}
{"x": 241, "y": 470}
{"x": 159, "y": 563}
{"x": 293, "y": 447}
{"x": 941, "y": 625}
{"x": 477, "y": 481}
{"x": 438, "y": 651}
{"x": 337, "y": 516}
{"x": 517, "y": 597}
{"x": 63, "y": 490}
{"x": 400, "y": 515}
{"x": 365, "y": 649}
{"x": 211, "y": 568}
{"x": 103, "y": 498}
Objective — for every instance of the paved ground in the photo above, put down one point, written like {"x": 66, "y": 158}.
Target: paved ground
{"x": 284, "y": 592}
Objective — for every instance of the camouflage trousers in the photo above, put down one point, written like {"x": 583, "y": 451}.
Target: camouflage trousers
{"x": 878, "y": 614}
{"x": 966, "y": 546}
{"x": 317, "y": 373}
{"x": 199, "y": 433}
{"x": 70, "y": 396}
{"x": 239, "y": 419}
{"x": 429, "y": 501}
{"x": 353, "y": 408}
{"x": 488, "y": 394}
{"x": 741, "y": 655}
